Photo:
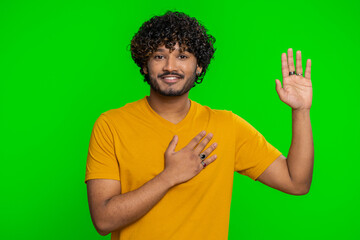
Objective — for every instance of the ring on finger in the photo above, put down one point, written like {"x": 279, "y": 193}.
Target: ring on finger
{"x": 202, "y": 156}
{"x": 204, "y": 164}
{"x": 293, "y": 73}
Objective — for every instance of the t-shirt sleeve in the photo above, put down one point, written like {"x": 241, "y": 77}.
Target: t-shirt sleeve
{"x": 253, "y": 154}
{"x": 101, "y": 159}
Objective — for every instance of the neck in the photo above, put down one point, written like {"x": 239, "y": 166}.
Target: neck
{"x": 172, "y": 108}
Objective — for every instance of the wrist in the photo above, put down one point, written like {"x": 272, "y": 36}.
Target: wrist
{"x": 300, "y": 110}
{"x": 166, "y": 179}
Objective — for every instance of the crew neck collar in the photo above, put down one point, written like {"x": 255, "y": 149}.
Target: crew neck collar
{"x": 165, "y": 123}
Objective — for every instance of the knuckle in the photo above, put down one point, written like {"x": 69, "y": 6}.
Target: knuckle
{"x": 194, "y": 141}
{"x": 209, "y": 150}
{"x": 203, "y": 144}
{"x": 196, "y": 138}
{"x": 200, "y": 144}
{"x": 193, "y": 156}
{"x": 201, "y": 134}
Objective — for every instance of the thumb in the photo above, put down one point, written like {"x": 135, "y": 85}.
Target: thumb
{"x": 279, "y": 89}
{"x": 172, "y": 144}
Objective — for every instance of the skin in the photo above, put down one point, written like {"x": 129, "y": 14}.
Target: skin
{"x": 294, "y": 174}
{"x": 170, "y": 100}
{"x": 110, "y": 210}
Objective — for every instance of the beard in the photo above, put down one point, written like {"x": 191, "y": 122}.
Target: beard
{"x": 171, "y": 92}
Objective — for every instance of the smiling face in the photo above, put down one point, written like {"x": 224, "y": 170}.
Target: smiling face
{"x": 171, "y": 74}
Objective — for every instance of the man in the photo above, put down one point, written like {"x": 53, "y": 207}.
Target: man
{"x": 162, "y": 167}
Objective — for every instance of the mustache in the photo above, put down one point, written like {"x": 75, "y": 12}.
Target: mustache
{"x": 168, "y": 73}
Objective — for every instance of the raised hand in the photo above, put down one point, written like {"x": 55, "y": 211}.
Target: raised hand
{"x": 185, "y": 164}
{"x": 297, "y": 90}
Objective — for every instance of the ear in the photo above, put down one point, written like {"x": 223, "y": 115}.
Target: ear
{"x": 198, "y": 69}
{"x": 145, "y": 70}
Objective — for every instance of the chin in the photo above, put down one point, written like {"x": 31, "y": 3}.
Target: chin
{"x": 178, "y": 88}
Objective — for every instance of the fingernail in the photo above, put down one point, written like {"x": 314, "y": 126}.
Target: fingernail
{"x": 203, "y": 132}
{"x": 210, "y": 135}
{"x": 215, "y": 144}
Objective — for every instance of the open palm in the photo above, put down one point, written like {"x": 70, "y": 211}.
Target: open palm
{"x": 297, "y": 90}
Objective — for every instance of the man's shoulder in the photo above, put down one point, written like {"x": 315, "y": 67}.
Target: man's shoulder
{"x": 128, "y": 110}
{"x": 216, "y": 111}
{"x": 224, "y": 116}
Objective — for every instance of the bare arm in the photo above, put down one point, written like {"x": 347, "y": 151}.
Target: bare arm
{"x": 119, "y": 210}
{"x": 300, "y": 159}
{"x": 294, "y": 174}
{"x": 111, "y": 210}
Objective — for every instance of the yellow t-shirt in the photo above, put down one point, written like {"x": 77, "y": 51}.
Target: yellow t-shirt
{"x": 128, "y": 144}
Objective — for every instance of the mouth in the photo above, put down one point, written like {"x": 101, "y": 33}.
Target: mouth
{"x": 171, "y": 78}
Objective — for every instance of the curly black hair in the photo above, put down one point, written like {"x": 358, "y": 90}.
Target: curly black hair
{"x": 168, "y": 29}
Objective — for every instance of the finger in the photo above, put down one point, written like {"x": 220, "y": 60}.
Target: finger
{"x": 203, "y": 144}
{"x": 172, "y": 144}
{"x": 279, "y": 89}
{"x": 284, "y": 66}
{"x": 299, "y": 69}
{"x": 308, "y": 69}
{"x": 209, "y": 150}
{"x": 195, "y": 140}
{"x": 209, "y": 160}
{"x": 291, "y": 60}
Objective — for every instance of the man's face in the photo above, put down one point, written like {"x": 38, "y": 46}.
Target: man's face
{"x": 171, "y": 74}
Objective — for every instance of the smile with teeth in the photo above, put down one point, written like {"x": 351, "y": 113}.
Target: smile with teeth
{"x": 171, "y": 79}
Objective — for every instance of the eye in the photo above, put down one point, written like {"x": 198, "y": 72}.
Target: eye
{"x": 158, "y": 56}
{"x": 183, "y": 56}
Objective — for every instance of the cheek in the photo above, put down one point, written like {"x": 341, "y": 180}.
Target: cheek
{"x": 155, "y": 66}
{"x": 188, "y": 68}
{"x": 152, "y": 71}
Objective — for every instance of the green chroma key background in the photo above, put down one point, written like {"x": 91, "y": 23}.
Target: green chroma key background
{"x": 63, "y": 63}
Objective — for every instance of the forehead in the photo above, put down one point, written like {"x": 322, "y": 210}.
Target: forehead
{"x": 176, "y": 48}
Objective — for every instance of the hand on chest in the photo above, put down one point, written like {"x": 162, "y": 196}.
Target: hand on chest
{"x": 141, "y": 154}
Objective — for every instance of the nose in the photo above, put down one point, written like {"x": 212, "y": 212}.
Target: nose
{"x": 170, "y": 64}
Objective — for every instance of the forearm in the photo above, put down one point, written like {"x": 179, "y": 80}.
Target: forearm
{"x": 126, "y": 208}
{"x": 300, "y": 159}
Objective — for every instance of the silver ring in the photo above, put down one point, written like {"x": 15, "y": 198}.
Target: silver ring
{"x": 299, "y": 74}
{"x": 204, "y": 164}
{"x": 291, "y": 73}
{"x": 202, "y": 156}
